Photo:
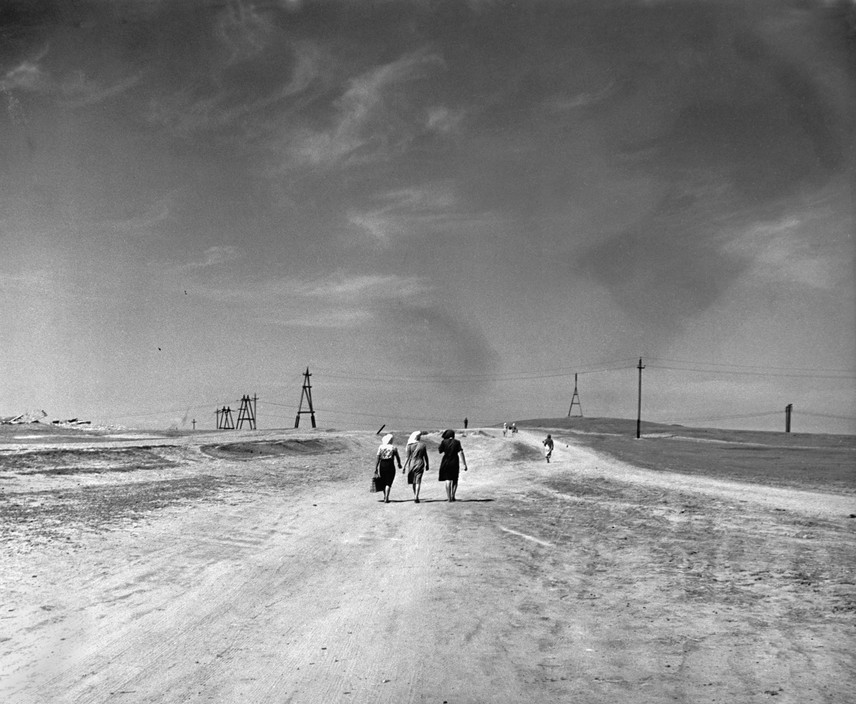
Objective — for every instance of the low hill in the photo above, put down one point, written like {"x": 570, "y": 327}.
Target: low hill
{"x": 627, "y": 427}
{"x": 796, "y": 460}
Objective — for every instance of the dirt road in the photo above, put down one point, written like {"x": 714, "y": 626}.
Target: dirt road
{"x": 282, "y": 579}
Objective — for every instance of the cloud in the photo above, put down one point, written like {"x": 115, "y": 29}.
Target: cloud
{"x": 372, "y": 117}
{"x": 581, "y": 100}
{"x": 78, "y": 90}
{"x": 364, "y": 287}
{"x": 434, "y": 339}
{"x": 214, "y": 257}
{"x": 246, "y": 100}
{"x": 75, "y": 89}
{"x": 142, "y": 224}
{"x": 407, "y": 211}
{"x": 27, "y": 76}
{"x": 665, "y": 269}
{"x": 332, "y": 319}
{"x": 243, "y": 31}
{"x": 342, "y": 292}
{"x": 779, "y": 251}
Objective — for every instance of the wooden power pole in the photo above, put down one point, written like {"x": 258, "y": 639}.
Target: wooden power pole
{"x": 789, "y": 409}
{"x": 639, "y": 403}
{"x": 247, "y": 412}
{"x": 575, "y": 400}
{"x": 307, "y": 394}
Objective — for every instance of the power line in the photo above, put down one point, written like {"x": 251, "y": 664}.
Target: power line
{"x": 730, "y": 417}
{"x": 824, "y": 415}
{"x": 508, "y": 376}
{"x": 753, "y": 366}
{"x": 793, "y": 375}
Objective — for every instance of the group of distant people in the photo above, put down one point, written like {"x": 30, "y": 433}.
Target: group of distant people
{"x": 416, "y": 463}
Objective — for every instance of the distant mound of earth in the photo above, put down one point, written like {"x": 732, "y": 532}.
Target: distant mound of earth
{"x": 247, "y": 450}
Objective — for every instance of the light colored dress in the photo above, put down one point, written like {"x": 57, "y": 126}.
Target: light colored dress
{"x": 417, "y": 460}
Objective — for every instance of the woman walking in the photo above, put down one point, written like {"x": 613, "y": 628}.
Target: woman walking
{"x": 416, "y": 462}
{"x": 548, "y": 447}
{"x": 387, "y": 457}
{"x": 450, "y": 448}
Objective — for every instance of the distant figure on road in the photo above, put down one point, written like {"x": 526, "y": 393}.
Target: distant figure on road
{"x": 450, "y": 466}
{"x": 416, "y": 462}
{"x": 548, "y": 447}
{"x": 513, "y": 428}
{"x": 387, "y": 457}
{"x": 504, "y": 429}
{"x": 466, "y": 423}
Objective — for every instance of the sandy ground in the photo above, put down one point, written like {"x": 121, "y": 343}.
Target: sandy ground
{"x": 191, "y": 576}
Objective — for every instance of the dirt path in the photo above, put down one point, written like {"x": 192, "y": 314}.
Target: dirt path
{"x": 575, "y": 581}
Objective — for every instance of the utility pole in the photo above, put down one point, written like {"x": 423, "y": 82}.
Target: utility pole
{"x": 639, "y": 404}
{"x": 307, "y": 394}
{"x": 789, "y": 409}
{"x": 225, "y": 419}
{"x": 247, "y": 412}
{"x": 575, "y": 399}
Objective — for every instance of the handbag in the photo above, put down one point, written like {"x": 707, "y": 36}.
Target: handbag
{"x": 377, "y": 484}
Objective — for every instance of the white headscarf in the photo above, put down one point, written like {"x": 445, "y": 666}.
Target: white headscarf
{"x": 414, "y": 437}
{"x": 387, "y": 439}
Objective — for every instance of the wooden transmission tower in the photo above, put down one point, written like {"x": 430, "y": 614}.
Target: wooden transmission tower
{"x": 575, "y": 400}
{"x": 307, "y": 394}
{"x": 224, "y": 419}
{"x": 247, "y": 412}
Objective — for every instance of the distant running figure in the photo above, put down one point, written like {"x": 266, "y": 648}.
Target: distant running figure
{"x": 513, "y": 428}
{"x": 450, "y": 466}
{"x": 548, "y": 447}
{"x": 416, "y": 462}
{"x": 504, "y": 429}
{"x": 387, "y": 457}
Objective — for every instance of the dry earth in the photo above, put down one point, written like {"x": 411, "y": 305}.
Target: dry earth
{"x": 156, "y": 569}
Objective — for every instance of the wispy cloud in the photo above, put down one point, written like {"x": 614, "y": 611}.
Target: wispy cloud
{"x": 409, "y": 210}
{"x": 780, "y": 251}
{"x": 334, "y": 290}
{"x": 369, "y": 121}
{"x": 223, "y": 105}
{"x": 243, "y": 31}
{"x": 331, "y": 319}
{"x": 74, "y": 89}
{"x": 142, "y": 224}
{"x": 213, "y": 257}
{"x": 563, "y": 103}
{"x": 340, "y": 300}
{"x": 78, "y": 90}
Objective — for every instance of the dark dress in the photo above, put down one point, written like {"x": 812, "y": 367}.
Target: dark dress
{"x": 450, "y": 465}
{"x": 386, "y": 469}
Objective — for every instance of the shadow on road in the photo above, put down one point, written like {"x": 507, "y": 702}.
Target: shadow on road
{"x": 437, "y": 501}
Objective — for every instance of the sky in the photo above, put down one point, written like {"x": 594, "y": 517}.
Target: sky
{"x": 441, "y": 209}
